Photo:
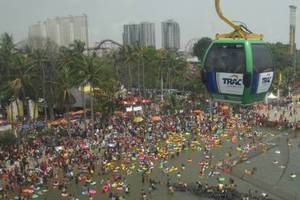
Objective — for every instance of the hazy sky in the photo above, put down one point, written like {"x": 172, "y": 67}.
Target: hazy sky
{"x": 197, "y": 18}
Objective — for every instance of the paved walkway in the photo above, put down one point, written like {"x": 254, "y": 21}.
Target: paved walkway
{"x": 275, "y": 112}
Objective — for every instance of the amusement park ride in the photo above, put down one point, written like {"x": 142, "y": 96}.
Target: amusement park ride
{"x": 238, "y": 66}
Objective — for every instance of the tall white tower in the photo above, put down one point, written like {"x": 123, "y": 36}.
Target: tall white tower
{"x": 292, "y": 50}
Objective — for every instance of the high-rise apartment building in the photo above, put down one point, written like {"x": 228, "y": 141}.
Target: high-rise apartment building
{"x": 147, "y": 34}
{"x": 61, "y": 30}
{"x": 143, "y": 33}
{"x": 37, "y": 30}
{"x": 170, "y": 35}
{"x": 131, "y": 34}
{"x": 37, "y": 34}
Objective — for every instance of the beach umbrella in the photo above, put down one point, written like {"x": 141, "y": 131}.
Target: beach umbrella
{"x": 87, "y": 89}
{"x": 59, "y": 122}
{"x": 155, "y": 118}
{"x": 138, "y": 119}
{"x": 197, "y": 111}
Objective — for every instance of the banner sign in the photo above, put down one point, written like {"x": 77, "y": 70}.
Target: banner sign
{"x": 229, "y": 83}
{"x": 129, "y": 109}
{"x": 264, "y": 82}
{"x": 137, "y": 108}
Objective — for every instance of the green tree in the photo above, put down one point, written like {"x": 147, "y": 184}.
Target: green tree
{"x": 201, "y": 46}
{"x": 91, "y": 72}
{"x": 66, "y": 80}
{"x": 7, "y": 56}
{"x": 283, "y": 64}
{"x": 106, "y": 93}
{"x": 77, "y": 49}
{"x": 40, "y": 62}
{"x": 17, "y": 81}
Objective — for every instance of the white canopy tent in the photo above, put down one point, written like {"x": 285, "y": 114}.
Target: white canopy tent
{"x": 271, "y": 96}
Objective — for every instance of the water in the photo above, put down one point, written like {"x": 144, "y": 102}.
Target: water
{"x": 135, "y": 181}
{"x": 267, "y": 174}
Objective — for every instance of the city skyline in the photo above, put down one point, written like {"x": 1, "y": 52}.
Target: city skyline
{"x": 196, "y": 18}
{"x": 60, "y": 30}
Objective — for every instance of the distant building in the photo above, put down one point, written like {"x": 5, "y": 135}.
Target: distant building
{"x": 37, "y": 34}
{"x": 131, "y": 34}
{"x": 143, "y": 34}
{"x": 37, "y": 30}
{"x": 147, "y": 34}
{"x": 61, "y": 30}
{"x": 170, "y": 35}
{"x": 52, "y": 27}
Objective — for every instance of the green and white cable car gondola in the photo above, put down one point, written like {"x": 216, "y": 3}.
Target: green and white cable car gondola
{"x": 238, "y": 66}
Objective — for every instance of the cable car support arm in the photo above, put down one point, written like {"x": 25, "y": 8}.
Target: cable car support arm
{"x": 240, "y": 31}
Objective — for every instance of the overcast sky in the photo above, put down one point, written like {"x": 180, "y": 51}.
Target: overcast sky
{"x": 197, "y": 18}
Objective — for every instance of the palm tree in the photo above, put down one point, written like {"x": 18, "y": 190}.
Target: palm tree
{"x": 150, "y": 67}
{"x": 15, "y": 72}
{"x": 65, "y": 83}
{"x": 107, "y": 90}
{"x": 7, "y": 56}
{"x": 176, "y": 69}
{"x": 7, "y": 52}
{"x": 140, "y": 54}
{"x": 19, "y": 78}
{"x": 116, "y": 60}
{"x": 40, "y": 61}
{"x": 77, "y": 48}
{"x": 90, "y": 72}
{"x": 161, "y": 60}
{"x": 43, "y": 61}
{"x": 19, "y": 85}
{"x": 129, "y": 56}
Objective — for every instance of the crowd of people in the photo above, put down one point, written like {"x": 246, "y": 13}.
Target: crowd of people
{"x": 283, "y": 116}
{"x": 39, "y": 164}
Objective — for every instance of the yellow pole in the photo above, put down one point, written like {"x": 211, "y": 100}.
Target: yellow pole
{"x": 280, "y": 78}
{"x": 225, "y": 19}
